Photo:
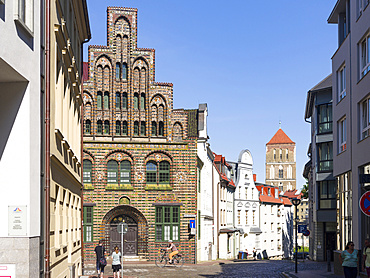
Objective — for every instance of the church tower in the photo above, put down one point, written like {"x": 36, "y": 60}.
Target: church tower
{"x": 281, "y": 161}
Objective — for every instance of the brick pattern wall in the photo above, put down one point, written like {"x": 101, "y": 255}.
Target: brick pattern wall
{"x": 136, "y": 199}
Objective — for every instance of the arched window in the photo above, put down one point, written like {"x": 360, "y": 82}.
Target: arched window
{"x": 142, "y": 102}
{"x": 87, "y": 171}
{"x": 164, "y": 172}
{"x": 124, "y": 101}
{"x": 125, "y": 169}
{"x": 106, "y": 100}
{"x": 106, "y": 127}
{"x": 118, "y": 101}
{"x": 154, "y": 129}
{"x": 136, "y": 128}
{"x": 99, "y": 127}
{"x": 142, "y": 128}
{"x": 99, "y": 100}
{"x": 151, "y": 172}
{"x": 112, "y": 171}
{"x": 87, "y": 127}
{"x": 124, "y": 128}
{"x": 136, "y": 101}
{"x": 161, "y": 129}
{"x": 124, "y": 71}
{"x": 118, "y": 128}
{"x": 118, "y": 71}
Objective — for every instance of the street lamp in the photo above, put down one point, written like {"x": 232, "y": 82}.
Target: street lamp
{"x": 296, "y": 203}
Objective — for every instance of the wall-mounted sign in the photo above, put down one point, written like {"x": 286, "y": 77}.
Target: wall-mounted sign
{"x": 192, "y": 224}
{"x": 17, "y": 220}
{"x": 7, "y": 270}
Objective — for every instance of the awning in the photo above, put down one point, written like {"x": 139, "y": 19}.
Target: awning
{"x": 255, "y": 230}
{"x": 228, "y": 230}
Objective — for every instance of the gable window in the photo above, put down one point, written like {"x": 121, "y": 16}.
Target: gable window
{"x": 106, "y": 100}
{"x": 118, "y": 71}
{"x": 99, "y": 127}
{"x": 99, "y": 100}
{"x": 118, "y": 128}
{"x": 124, "y": 101}
{"x": 325, "y": 156}
{"x": 364, "y": 55}
{"x": 161, "y": 129}
{"x": 167, "y": 223}
{"x": 324, "y": 118}
{"x": 136, "y": 128}
{"x": 142, "y": 128}
{"x": 142, "y": 102}
{"x": 87, "y": 171}
{"x": 327, "y": 193}
{"x": 365, "y": 119}
{"x": 342, "y": 133}
{"x": 124, "y": 71}
{"x": 341, "y": 83}
{"x": 118, "y": 101}
{"x": 136, "y": 101}
{"x": 88, "y": 223}
{"x": 154, "y": 129}
{"x": 106, "y": 127}
{"x": 87, "y": 127}
{"x": 124, "y": 128}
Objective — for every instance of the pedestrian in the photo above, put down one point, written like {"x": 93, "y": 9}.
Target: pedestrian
{"x": 116, "y": 264}
{"x": 366, "y": 257}
{"x": 349, "y": 260}
{"x": 254, "y": 254}
{"x": 246, "y": 253}
{"x": 100, "y": 254}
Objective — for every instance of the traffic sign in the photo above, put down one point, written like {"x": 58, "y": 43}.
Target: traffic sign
{"x": 306, "y": 233}
{"x": 302, "y": 228}
{"x": 192, "y": 224}
{"x": 122, "y": 228}
{"x": 364, "y": 203}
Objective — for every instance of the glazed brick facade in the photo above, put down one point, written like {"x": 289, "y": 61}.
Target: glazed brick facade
{"x": 129, "y": 118}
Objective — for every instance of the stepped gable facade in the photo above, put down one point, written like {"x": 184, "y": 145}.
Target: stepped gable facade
{"x": 281, "y": 162}
{"x": 139, "y": 153}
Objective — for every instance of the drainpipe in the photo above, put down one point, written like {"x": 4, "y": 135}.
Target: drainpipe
{"x": 47, "y": 139}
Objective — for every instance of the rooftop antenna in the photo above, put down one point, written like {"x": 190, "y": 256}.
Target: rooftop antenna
{"x": 279, "y": 124}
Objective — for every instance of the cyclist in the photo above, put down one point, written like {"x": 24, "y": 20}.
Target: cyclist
{"x": 174, "y": 250}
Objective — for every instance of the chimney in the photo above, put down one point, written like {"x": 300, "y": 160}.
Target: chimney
{"x": 254, "y": 177}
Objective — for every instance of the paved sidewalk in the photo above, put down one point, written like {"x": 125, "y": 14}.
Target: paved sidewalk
{"x": 311, "y": 274}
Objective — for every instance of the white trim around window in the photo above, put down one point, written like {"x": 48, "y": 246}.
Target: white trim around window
{"x": 342, "y": 135}
{"x": 341, "y": 76}
{"x": 364, "y": 49}
{"x": 364, "y": 118}
{"x": 24, "y": 11}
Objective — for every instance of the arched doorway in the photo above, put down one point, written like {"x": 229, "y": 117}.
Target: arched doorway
{"x": 136, "y": 238}
{"x": 129, "y": 239}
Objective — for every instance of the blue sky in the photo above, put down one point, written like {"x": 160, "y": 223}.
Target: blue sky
{"x": 252, "y": 62}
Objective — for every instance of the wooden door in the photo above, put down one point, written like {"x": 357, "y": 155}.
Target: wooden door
{"x": 130, "y": 241}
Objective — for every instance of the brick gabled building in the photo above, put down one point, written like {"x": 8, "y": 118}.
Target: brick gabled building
{"x": 281, "y": 161}
{"x": 140, "y": 154}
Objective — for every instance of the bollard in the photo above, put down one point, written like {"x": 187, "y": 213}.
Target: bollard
{"x": 328, "y": 258}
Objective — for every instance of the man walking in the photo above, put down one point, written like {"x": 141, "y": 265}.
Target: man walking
{"x": 100, "y": 252}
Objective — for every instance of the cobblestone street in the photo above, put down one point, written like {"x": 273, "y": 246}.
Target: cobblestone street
{"x": 257, "y": 269}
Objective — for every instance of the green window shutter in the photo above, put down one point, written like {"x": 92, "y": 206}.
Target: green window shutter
{"x": 88, "y": 222}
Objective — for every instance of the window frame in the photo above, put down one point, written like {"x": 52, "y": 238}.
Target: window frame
{"x": 106, "y": 127}
{"x": 124, "y": 128}
{"x": 364, "y": 62}
{"x": 326, "y": 184}
{"x": 24, "y": 15}
{"x": 87, "y": 178}
{"x": 87, "y": 128}
{"x": 99, "y": 100}
{"x": 328, "y": 123}
{"x": 88, "y": 222}
{"x": 118, "y": 101}
{"x": 342, "y": 135}
{"x": 99, "y": 127}
{"x": 166, "y": 216}
{"x": 365, "y": 118}
{"x": 106, "y": 101}
{"x": 118, "y": 128}
{"x": 162, "y": 172}
{"x": 341, "y": 75}
{"x": 329, "y": 148}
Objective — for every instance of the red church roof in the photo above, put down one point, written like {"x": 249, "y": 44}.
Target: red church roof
{"x": 280, "y": 138}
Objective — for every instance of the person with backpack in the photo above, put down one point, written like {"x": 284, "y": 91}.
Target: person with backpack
{"x": 366, "y": 257}
{"x": 101, "y": 262}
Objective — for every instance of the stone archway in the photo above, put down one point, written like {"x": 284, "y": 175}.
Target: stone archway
{"x": 136, "y": 239}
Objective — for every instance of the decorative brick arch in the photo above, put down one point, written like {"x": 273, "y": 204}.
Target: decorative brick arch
{"x": 137, "y": 217}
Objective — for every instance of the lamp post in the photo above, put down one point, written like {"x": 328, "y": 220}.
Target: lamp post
{"x": 296, "y": 203}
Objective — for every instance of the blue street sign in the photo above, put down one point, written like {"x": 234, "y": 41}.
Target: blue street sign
{"x": 192, "y": 224}
{"x": 302, "y": 228}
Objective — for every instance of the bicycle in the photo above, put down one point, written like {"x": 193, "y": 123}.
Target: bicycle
{"x": 161, "y": 261}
